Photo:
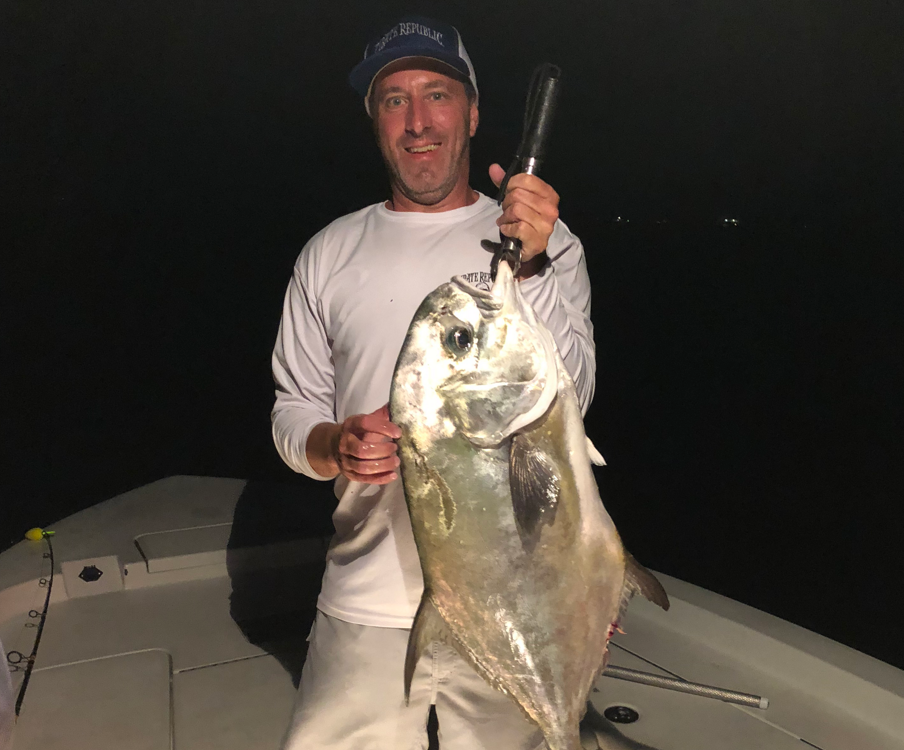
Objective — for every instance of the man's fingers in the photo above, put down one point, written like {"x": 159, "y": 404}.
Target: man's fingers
{"x": 532, "y": 243}
{"x": 528, "y": 183}
{"x": 530, "y": 210}
{"x": 370, "y": 471}
{"x": 374, "y": 437}
{"x": 377, "y": 423}
{"x": 521, "y": 212}
{"x": 371, "y": 478}
{"x": 541, "y": 204}
{"x": 522, "y": 222}
{"x": 351, "y": 465}
{"x": 352, "y": 445}
{"x": 366, "y": 450}
{"x": 497, "y": 174}
{"x": 532, "y": 184}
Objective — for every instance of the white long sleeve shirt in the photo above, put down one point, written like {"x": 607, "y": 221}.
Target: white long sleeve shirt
{"x": 353, "y": 293}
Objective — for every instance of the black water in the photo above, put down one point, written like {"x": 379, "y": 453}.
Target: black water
{"x": 165, "y": 162}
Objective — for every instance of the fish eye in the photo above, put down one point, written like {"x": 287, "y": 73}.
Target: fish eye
{"x": 459, "y": 340}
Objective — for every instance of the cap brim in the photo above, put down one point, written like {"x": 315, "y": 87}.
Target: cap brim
{"x": 364, "y": 73}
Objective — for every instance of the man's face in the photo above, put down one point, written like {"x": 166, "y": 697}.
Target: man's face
{"x": 423, "y": 122}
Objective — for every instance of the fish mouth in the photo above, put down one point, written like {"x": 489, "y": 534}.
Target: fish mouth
{"x": 504, "y": 285}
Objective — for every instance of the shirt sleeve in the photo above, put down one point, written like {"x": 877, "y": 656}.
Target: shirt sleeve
{"x": 302, "y": 367}
{"x": 560, "y": 295}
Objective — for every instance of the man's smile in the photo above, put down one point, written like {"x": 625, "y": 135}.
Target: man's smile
{"x": 425, "y": 149}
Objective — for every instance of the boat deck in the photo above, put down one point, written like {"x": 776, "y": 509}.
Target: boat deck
{"x": 193, "y": 637}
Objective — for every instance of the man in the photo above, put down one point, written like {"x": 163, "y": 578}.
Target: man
{"x": 353, "y": 293}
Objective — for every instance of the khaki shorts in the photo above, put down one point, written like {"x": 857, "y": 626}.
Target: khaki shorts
{"x": 351, "y": 697}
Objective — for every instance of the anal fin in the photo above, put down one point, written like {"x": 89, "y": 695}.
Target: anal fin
{"x": 428, "y": 627}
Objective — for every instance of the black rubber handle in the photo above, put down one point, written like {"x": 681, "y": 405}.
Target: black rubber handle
{"x": 539, "y": 111}
{"x": 541, "y": 108}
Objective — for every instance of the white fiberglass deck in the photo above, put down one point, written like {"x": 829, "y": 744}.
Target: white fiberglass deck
{"x": 192, "y": 635}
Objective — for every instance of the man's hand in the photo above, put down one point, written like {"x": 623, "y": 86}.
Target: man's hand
{"x": 529, "y": 211}
{"x": 362, "y": 448}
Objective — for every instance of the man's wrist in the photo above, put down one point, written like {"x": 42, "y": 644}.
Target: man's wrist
{"x": 322, "y": 449}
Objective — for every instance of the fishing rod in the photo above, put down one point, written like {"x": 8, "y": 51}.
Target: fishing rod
{"x": 542, "y": 97}
{"x": 15, "y": 658}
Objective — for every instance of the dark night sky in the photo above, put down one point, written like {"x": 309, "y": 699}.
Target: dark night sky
{"x": 162, "y": 164}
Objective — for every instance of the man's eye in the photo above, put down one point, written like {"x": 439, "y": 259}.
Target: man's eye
{"x": 394, "y": 101}
{"x": 437, "y": 96}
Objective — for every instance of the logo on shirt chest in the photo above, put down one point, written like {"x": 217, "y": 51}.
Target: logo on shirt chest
{"x": 480, "y": 279}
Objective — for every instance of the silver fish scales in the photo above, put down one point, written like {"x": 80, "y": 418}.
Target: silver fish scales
{"x": 524, "y": 572}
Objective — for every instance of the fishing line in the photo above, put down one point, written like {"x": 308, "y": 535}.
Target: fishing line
{"x": 15, "y": 658}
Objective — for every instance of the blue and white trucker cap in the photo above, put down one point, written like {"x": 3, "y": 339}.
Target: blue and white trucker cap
{"x": 413, "y": 36}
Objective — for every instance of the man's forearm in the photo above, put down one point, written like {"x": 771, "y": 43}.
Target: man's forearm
{"x": 567, "y": 316}
{"x": 321, "y": 448}
{"x": 532, "y": 267}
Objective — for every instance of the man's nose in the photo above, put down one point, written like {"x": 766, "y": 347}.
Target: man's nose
{"x": 418, "y": 119}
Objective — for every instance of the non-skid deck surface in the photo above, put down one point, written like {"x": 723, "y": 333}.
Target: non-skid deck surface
{"x": 121, "y": 702}
{"x": 677, "y": 721}
{"x": 242, "y": 705}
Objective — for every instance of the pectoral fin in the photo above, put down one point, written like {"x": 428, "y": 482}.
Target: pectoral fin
{"x": 535, "y": 487}
{"x": 428, "y": 627}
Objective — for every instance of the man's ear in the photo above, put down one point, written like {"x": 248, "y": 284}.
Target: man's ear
{"x": 474, "y": 118}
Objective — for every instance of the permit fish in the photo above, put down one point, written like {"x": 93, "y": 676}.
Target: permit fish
{"x": 524, "y": 572}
